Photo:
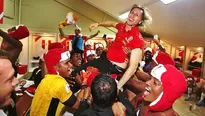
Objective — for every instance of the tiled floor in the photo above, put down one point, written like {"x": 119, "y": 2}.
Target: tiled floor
{"x": 188, "y": 108}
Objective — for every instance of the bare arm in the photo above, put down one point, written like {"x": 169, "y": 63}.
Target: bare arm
{"x": 13, "y": 46}
{"x": 135, "y": 57}
{"x": 11, "y": 40}
{"x": 143, "y": 76}
{"x": 62, "y": 33}
{"x": 161, "y": 48}
{"x": 136, "y": 86}
{"x": 103, "y": 24}
{"x": 94, "y": 35}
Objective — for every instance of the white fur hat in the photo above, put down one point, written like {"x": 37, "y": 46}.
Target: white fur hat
{"x": 148, "y": 49}
{"x": 99, "y": 45}
{"x": 90, "y": 52}
{"x": 87, "y": 43}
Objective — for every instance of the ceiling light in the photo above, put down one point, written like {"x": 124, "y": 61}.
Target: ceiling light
{"x": 199, "y": 48}
{"x": 181, "y": 47}
{"x": 167, "y": 1}
{"x": 124, "y": 15}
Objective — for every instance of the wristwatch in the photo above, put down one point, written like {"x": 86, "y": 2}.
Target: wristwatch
{"x": 84, "y": 100}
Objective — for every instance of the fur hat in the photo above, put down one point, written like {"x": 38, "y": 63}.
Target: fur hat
{"x": 87, "y": 43}
{"x": 148, "y": 49}
{"x": 20, "y": 32}
{"x": 162, "y": 58}
{"x": 55, "y": 45}
{"x": 90, "y": 52}
{"x": 54, "y": 56}
{"x": 174, "y": 85}
{"x": 98, "y": 45}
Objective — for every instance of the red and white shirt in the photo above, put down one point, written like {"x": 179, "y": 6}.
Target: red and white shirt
{"x": 131, "y": 39}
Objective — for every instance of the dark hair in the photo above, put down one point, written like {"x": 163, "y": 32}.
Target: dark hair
{"x": 145, "y": 14}
{"x": 104, "y": 90}
{"x": 77, "y": 30}
{"x": 75, "y": 51}
{"x": 4, "y": 55}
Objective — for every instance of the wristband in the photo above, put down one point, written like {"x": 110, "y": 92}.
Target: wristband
{"x": 84, "y": 86}
{"x": 83, "y": 100}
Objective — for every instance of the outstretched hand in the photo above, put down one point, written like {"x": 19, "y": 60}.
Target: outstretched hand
{"x": 93, "y": 26}
{"x": 62, "y": 24}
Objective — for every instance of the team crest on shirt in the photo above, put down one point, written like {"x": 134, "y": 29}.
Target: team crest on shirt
{"x": 67, "y": 88}
{"x": 129, "y": 39}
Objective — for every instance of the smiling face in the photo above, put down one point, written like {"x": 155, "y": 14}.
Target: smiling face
{"x": 153, "y": 90}
{"x": 76, "y": 59}
{"x": 148, "y": 56}
{"x": 135, "y": 17}
{"x": 7, "y": 82}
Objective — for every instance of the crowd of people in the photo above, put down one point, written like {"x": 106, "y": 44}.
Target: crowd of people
{"x": 109, "y": 80}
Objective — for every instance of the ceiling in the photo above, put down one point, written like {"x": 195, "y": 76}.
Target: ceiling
{"x": 179, "y": 23}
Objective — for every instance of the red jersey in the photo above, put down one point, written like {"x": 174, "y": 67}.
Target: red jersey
{"x": 131, "y": 39}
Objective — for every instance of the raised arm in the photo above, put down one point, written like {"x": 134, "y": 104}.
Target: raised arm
{"x": 62, "y": 33}
{"x": 10, "y": 40}
{"x": 94, "y": 35}
{"x": 103, "y": 24}
{"x": 161, "y": 47}
{"x": 135, "y": 57}
{"x": 13, "y": 46}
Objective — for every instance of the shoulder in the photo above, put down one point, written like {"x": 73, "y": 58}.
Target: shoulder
{"x": 56, "y": 79}
{"x": 120, "y": 25}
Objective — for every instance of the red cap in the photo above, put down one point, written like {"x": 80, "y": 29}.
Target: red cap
{"x": 20, "y": 32}
{"x": 54, "y": 56}
{"x": 174, "y": 85}
{"x": 55, "y": 45}
{"x": 163, "y": 58}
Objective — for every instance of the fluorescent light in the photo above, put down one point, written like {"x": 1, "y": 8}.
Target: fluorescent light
{"x": 181, "y": 47}
{"x": 167, "y": 1}
{"x": 199, "y": 48}
{"x": 124, "y": 15}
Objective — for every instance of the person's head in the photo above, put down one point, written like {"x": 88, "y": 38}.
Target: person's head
{"x": 99, "y": 49}
{"x": 159, "y": 58}
{"x": 19, "y": 32}
{"x": 103, "y": 90}
{"x": 77, "y": 31}
{"x": 87, "y": 45}
{"x": 7, "y": 79}
{"x": 190, "y": 81}
{"x": 58, "y": 62}
{"x": 76, "y": 58}
{"x": 148, "y": 54}
{"x": 167, "y": 85}
{"x": 137, "y": 16}
{"x": 90, "y": 55}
